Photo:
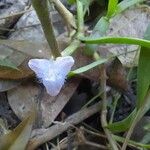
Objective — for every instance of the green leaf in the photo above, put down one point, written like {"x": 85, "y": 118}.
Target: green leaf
{"x": 143, "y": 88}
{"x": 146, "y": 138}
{"x": 87, "y": 67}
{"x": 101, "y": 27}
{"x": 145, "y": 106}
{"x": 126, "y": 4}
{"x": 71, "y": 1}
{"x": 117, "y": 40}
{"x": 143, "y": 74}
{"x": 112, "y": 5}
{"x": 131, "y": 143}
{"x": 7, "y": 63}
{"x": 140, "y": 113}
{"x": 123, "y": 125}
{"x": 99, "y": 30}
{"x": 18, "y": 138}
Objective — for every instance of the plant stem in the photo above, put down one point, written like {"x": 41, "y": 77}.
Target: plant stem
{"x": 53, "y": 131}
{"x": 104, "y": 123}
{"x": 71, "y": 48}
{"x": 80, "y": 26}
{"x": 65, "y": 13}
{"x": 41, "y": 8}
{"x": 112, "y": 142}
{"x": 80, "y": 16}
{"x": 114, "y": 107}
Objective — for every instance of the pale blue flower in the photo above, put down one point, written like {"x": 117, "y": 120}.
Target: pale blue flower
{"x": 52, "y": 73}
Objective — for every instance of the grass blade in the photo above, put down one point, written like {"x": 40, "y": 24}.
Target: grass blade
{"x": 87, "y": 67}
{"x": 143, "y": 74}
{"x": 117, "y": 40}
{"x": 123, "y": 125}
{"x": 112, "y": 6}
{"x": 126, "y": 4}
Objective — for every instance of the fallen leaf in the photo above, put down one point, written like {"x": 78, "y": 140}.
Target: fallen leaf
{"x": 24, "y": 96}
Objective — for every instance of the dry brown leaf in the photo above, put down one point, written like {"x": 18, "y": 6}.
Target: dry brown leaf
{"x": 24, "y": 96}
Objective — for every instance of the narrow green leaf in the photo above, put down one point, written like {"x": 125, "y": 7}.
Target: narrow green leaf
{"x": 101, "y": 27}
{"x": 87, "y": 67}
{"x": 112, "y": 6}
{"x": 132, "y": 143}
{"x": 123, "y": 125}
{"x": 140, "y": 113}
{"x": 71, "y": 1}
{"x": 99, "y": 30}
{"x": 18, "y": 138}
{"x": 145, "y": 106}
{"x": 7, "y": 63}
{"x": 126, "y": 4}
{"x": 117, "y": 40}
{"x": 146, "y": 139}
{"x": 143, "y": 89}
{"x": 143, "y": 74}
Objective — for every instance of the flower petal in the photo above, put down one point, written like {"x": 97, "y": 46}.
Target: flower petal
{"x": 64, "y": 64}
{"x": 52, "y": 73}
{"x": 40, "y": 66}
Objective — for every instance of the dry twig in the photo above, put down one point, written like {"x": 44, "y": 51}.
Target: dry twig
{"x": 55, "y": 130}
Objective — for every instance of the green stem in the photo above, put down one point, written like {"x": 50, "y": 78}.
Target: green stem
{"x": 80, "y": 16}
{"x": 114, "y": 108}
{"x": 41, "y": 8}
{"x": 65, "y": 13}
{"x": 71, "y": 48}
{"x": 104, "y": 123}
{"x": 117, "y": 40}
{"x": 112, "y": 142}
{"x": 131, "y": 143}
{"x": 80, "y": 25}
